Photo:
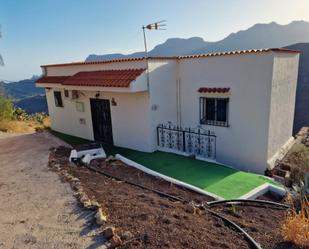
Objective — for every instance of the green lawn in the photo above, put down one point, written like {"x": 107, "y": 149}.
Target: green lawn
{"x": 217, "y": 179}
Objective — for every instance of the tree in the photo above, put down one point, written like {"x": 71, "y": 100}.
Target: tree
{"x": 6, "y": 106}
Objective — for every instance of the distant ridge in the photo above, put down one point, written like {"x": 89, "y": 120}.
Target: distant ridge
{"x": 302, "y": 95}
{"x": 258, "y": 36}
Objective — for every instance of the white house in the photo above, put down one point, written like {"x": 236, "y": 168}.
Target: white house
{"x": 238, "y": 105}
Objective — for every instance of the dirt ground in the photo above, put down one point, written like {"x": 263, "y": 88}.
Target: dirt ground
{"x": 157, "y": 222}
{"x": 37, "y": 210}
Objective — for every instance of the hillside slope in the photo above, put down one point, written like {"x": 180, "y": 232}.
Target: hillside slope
{"x": 22, "y": 89}
{"x": 302, "y": 95}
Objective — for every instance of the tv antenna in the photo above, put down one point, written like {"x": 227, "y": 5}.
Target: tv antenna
{"x": 152, "y": 26}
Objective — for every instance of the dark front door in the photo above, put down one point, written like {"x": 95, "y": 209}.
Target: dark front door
{"x": 101, "y": 120}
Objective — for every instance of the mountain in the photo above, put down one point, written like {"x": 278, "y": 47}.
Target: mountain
{"x": 302, "y": 94}
{"x": 173, "y": 46}
{"x": 37, "y": 103}
{"x": 26, "y": 95}
{"x": 261, "y": 36}
{"x": 22, "y": 89}
{"x": 258, "y": 36}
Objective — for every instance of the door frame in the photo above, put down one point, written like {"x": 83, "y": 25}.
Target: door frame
{"x": 95, "y": 125}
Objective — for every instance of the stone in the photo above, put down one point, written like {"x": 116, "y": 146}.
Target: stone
{"x": 108, "y": 232}
{"x": 95, "y": 205}
{"x": 190, "y": 209}
{"x": 83, "y": 198}
{"x": 115, "y": 241}
{"x": 110, "y": 159}
{"x": 75, "y": 179}
{"x": 87, "y": 204}
{"x": 77, "y": 186}
{"x": 126, "y": 235}
{"x": 100, "y": 217}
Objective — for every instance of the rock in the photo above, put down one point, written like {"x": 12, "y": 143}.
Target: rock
{"x": 193, "y": 210}
{"x": 95, "y": 205}
{"x": 126, "y": 235}
{"x": 108, "y": 232}
{"x": 115, "y": 241}
{"x": 87, "y": 204}
{"x": 77, "y": 186}
{"x": 100, "y": 217}
{"x": 83, "y": 198}
{"x": 190, "y": 209}
{"x": 110, "y": 159}
{"x": 75, "y": 179}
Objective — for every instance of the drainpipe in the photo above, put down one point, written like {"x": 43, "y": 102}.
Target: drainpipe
{"x": 146, "y": 57}
{"x": 178, "y": 93}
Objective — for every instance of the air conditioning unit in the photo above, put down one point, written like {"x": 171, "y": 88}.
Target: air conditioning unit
{"x": 75, "y": 94}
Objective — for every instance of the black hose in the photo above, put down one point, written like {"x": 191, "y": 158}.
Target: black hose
{"x": 226, "y": 220}
{"x": 214, "y": 203}
{"x": 233, "y": 224}
{"x": 134, "y": 184}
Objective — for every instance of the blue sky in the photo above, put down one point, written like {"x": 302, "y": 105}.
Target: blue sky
{"x": 39, "y": 32}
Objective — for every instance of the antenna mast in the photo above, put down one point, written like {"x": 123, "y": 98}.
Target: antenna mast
{"x": 153, "y": 26}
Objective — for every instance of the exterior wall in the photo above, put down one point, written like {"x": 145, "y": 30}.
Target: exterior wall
{"x": 163, "y": 103}
{"x": 261, "y": 104}
{"x": 244, "y": 143}
{"x": 130, "y": 118}
{"x": 282, "y": 106}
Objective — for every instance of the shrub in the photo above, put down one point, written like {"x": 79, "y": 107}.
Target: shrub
{"x": 296, "y": 225}
{"x": 39, "y": 117}
{"x": 6, "y": 107}
{"x": 20, "y": 114}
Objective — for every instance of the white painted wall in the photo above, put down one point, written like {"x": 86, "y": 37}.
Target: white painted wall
{"x": 283, "y": 92}
{"x": 244, "y": 143}
{"x": 261, "y": 104}
{"x": 163, "y": 104}
{"x": 130, "y": 118}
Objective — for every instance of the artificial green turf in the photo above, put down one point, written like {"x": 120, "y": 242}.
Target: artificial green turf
{"x": 217, "y": 179}
{"x": 72, "y": 140}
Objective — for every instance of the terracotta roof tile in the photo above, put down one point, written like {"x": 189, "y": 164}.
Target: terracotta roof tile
{"x": 52, "y": 79}
{"x": 106, "y": 78}
{"x": 283, "y": 50}
{"x": 214, "y": 90}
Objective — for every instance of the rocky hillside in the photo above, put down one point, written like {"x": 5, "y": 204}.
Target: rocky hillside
{"x": 302, "y": 96}
{"x": 258, "y": 36}
{"x": 26, "y": 95}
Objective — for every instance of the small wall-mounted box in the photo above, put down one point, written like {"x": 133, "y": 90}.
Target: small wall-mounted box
{"x": 80, "y": 107}
{"x": 82, "y": 121}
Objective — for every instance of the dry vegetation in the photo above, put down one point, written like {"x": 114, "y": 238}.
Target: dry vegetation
{"x": 16, "y": 120}
{"x": 296, "y": 226}
{"x": 23, "y": 126}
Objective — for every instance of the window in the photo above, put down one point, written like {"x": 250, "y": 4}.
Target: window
{"x": 66, "y": 93}
{"x": 214, "y": 111}
{"x": 58, "y": 99}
